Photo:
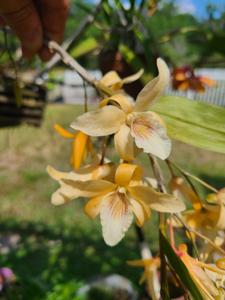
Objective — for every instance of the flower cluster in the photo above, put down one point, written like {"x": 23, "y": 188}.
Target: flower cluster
{"x": 118, "y": 193}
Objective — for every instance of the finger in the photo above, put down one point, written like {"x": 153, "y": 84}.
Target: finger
{"x": 22, "y": 17}
{"x": 54, "y": 14}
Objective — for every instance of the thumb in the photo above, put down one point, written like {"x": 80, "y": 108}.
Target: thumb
{"x": 22, "y": 17}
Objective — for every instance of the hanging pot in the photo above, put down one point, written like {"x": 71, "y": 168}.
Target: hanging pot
{"x": 21, "y": 104}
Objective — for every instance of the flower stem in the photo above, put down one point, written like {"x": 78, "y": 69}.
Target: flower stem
{"x": 73, "y": 64}
{"x": 200, "y": 235}
{"x": 162, "y": 227}
{"x": 187, "y": 175}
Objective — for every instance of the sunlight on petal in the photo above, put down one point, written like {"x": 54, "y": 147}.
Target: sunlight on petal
{"x": 90, "y": 188}
{"x": 154, "y": 88}
{"x": 116, "y": 217}
{"x": 101, "y": 122}
{"x": 150, "y": 135}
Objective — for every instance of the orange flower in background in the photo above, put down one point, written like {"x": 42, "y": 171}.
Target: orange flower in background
{"x": 185, "y": 79}
{"x": 81, "y": 145}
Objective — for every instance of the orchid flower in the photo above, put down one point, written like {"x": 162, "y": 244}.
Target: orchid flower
{"x": 117, "y": 202}
{"x": 114, "y": 82}
{"x": 184, "y": 79}
{"x": 208, "y": 219}
{"x": 180, "y": 189}
{"x": 208, "y": 216}
{"x": 200, "y": 275}
{"x": 203, "y": 216}
{"x": 150, "y": 266}
{"x": 131, "y": 123}
{"x": 81, "y": 146}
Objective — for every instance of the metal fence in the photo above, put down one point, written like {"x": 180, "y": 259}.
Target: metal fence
{"x": 72, "y": 89}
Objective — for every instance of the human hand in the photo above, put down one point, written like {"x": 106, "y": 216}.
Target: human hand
{"x": 34, "y": 20}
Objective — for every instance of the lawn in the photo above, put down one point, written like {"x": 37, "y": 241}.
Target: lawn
{"x": 54, "y": 250}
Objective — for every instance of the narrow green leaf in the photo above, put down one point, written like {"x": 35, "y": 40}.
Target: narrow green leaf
{"x": 84, "y": 47}
{"x": 130, "y": 57}
{"x": 195, "y": 123}
{"x": 180, "y": 269}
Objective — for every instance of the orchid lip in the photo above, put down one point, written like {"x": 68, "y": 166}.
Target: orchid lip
{"x": 130, "y": 118}
{"x": 122, "y": 190}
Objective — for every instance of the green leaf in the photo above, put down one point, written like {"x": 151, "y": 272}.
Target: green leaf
{"x": 180, "y": 268}
{"x": 84, "y": 47}
{"x": 195, "y": 123}
{"x": 130, "y": 56}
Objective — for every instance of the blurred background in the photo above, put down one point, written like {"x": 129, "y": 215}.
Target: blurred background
{"x": 57, "y": 253}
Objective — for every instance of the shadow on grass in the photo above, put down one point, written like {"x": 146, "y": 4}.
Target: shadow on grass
{"x": 49, "y": 255}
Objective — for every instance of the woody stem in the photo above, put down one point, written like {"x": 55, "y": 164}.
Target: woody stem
{"x": 162, "y": 228}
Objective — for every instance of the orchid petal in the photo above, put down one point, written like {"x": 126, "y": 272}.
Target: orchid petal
{"x": 90, "y": 188}
{"x": 157, "y": 201}
{"x": 92, "y": 208}
{"x": 116, "y": 217}
{"x": 122, "y": 101}
{"x": 154, "y": 88}
{"x": 79, "y": 149}
{"x": 133, "y": 77}
{"x": 150, "y": 134}
{"x": 101, "y": 122}
{"x": 124, "y": 143}
{"x": 206, "y": 287}
{"x": 127, "y": 173}
{"x": 63, "y": 132}
{"x": 55, "y": 174}
{"x": 86, "y": 173}
{"x": 112, "y": 79}
{"x": 140, "y": 210}
{"x": 64, "y": 195}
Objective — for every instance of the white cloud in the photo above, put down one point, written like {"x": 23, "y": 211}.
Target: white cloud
{"x": 186, "y": 6}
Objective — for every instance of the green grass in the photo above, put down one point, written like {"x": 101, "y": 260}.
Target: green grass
{"x": 59, "y": 248}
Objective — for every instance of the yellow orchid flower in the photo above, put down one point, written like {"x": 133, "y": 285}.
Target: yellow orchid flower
{"x": 116, "y": 202}
{"x": 208, "y": 216}
{"x": 115, "y": 82}
{"x": 203, "y": 216}
{"x": 208, "y": 219}
{"x": 150, "y": 266}
{"x": 131, "y": 123}
{"x": 180, "y": 189}
{"x": 200, "y": 274}
{"x": 81, "y": 146}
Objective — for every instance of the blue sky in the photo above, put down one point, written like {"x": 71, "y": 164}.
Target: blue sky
{"x": 197, "y": 7}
